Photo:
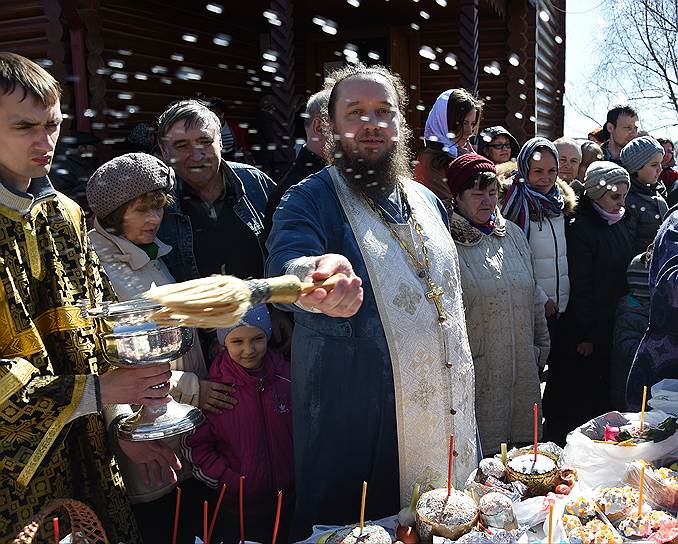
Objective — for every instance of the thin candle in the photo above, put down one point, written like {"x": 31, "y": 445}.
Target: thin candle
{"x": 277, "y": 517}
{"x": 362, "y": 507}
{"x": 641, "y": 488}
{"x": 241, "y": 494}
{"x": 450, "y": 462}
{"x": 216, "y": 511}
{"x": 176, "y": 516}
{"x": 536, "y": 430}
{"x": 550, "y": 522}
{"x": 504, "y": 453}
{"x": 642, "y": 409}
{"x": 55, "y": 524}
{"x": 205, "y": 507}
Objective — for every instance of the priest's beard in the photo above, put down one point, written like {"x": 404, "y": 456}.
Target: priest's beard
{"x": 373, "y": 174}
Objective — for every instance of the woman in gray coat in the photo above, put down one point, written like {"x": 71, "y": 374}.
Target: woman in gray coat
{"x": 504, "y": 316}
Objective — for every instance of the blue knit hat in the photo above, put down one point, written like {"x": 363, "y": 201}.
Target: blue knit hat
{"x": 256, "y": 316}
{"x": 638, "y": 152}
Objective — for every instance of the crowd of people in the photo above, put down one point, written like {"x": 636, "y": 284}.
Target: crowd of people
{"x": 467, "y": 278}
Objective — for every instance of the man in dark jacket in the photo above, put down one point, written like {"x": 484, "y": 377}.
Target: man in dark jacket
{"x": 620, "y": 128}
{"x": 310, "y": 158}
{"x": 215, "y": 224}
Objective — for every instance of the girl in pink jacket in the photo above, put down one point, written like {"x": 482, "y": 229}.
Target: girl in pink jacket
{"x": 255, "y": 438}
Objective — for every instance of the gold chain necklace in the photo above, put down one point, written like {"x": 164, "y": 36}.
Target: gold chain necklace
{"x": 423, "y": 269}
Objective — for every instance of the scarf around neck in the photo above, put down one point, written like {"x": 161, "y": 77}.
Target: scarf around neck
{"x": 485, "y": 228}
{"x": 611, "y": 218}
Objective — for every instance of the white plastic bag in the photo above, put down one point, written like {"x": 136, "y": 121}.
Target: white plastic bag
{"x": 598, "y": 464}
{"x": 532, "y": 511}
{"x": 665, "y": 396}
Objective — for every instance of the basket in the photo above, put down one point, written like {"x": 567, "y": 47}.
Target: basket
{"x": 85, "y": 525}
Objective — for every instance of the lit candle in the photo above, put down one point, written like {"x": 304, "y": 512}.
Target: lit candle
{"x": 641, "y": 487}
{"x": 642, "y": 409}
{"x": 362, "y": 508}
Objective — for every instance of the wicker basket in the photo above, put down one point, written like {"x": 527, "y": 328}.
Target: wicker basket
{"x": 85, "y": 525}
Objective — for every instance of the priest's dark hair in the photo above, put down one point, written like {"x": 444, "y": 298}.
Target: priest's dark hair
{"x": 334, "y": 79}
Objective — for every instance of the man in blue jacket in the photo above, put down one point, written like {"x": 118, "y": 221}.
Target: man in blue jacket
{"x": 215, "y": 224}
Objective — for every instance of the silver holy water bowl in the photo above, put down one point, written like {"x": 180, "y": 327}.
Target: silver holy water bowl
{"x": 130, "y": 338}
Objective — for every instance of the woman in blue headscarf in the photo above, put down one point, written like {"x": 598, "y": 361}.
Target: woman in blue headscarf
{"x": 537, "y": 201}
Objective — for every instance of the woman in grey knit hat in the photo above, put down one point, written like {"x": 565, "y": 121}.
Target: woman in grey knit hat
{"x": 599, "y": 250}
{"x": 645, "y": 203}
{"x": 127, "y": 196}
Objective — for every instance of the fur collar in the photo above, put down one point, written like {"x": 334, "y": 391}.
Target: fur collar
{"x": 568, "y": 193}
{"x": 465, "y": 234}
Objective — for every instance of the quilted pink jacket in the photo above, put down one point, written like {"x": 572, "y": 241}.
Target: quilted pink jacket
{"x": 254, "y": 439}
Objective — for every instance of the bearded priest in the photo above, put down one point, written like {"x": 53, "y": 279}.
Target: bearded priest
{"x": 381, "y": 366}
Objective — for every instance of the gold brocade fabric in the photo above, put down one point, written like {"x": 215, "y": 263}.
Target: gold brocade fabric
{"x": 46, "y": 351}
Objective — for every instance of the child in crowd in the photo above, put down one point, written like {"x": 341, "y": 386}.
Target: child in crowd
{"x": 255, "y": 438}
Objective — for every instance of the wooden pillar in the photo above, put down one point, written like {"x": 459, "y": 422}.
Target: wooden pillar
{"x": 76, "y": 30}
{"x": 520, "y": 87}
{"x": 282, "y": 42}
{"x": 468, "y": 45}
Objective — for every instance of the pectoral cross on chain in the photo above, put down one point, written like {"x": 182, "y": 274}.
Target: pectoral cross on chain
{"x": 435, "y": 294}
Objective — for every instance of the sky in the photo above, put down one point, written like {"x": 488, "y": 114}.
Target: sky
{"x": 584, "y": 26}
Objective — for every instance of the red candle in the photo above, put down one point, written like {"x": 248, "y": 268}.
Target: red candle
{"x": 536, "y": 430}
{"x": 242, "y": 509}
{"x": 55, "y": 524}
{"x": 176, "y": 516}
{"x": 449, "y": 466}
{"x": 216, "y": 511}
{"x": 204, "y": 522}
{"x": 277, "y": 517}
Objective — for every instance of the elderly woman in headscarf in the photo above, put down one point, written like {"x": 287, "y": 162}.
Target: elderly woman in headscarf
{"x": 505, "y": 320}
{"x": 599, "y": 250}
{"x": 453, "y": 119}
{"x": 538, "y": 202}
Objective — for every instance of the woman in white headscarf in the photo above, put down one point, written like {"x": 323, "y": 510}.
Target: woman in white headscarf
{"x": 453, "y": 119}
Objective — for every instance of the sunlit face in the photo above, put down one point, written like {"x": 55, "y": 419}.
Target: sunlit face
{"x": 367, "y": 120}
{"x": 466, "y": 128}
{"x": 625, "y": 130}
{"x": 499, "y": 149}
{"x": 247, "y": 346}
{"x": 194, "y": 153}
{"x": 477, "y": 204}
{"x": 569, "y": 157}
{"x": 668, "y": 154}
{"x": 543, "y": 171}
{"x": 613, "y": 200}
{"x": 140, "y": 222}
{"x": 28, "y": 135}
{"x": 649, "y": 173}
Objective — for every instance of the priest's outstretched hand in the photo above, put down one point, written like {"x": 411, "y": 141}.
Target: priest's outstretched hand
{"x": 346, "y": 297}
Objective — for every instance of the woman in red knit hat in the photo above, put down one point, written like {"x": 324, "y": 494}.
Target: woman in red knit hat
{"x": 505, "y": 321}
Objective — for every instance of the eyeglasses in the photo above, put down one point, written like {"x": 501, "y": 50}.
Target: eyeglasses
{"x": 499, "y": 146}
